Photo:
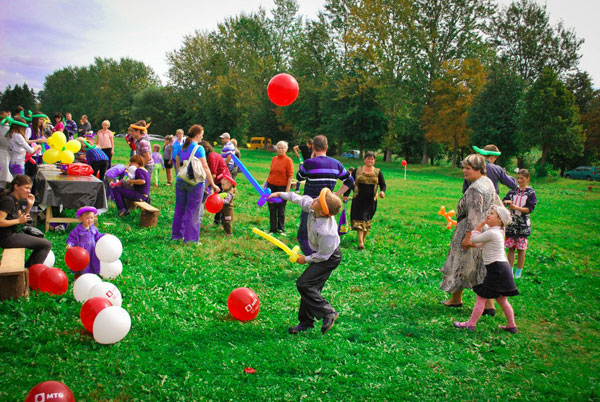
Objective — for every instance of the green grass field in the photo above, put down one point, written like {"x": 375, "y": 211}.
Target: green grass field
{"x": 392, "y": 341}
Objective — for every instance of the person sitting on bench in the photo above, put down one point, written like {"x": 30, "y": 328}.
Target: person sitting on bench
{"x": 12, "y": 215}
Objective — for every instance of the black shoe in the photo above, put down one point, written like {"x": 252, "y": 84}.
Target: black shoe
{"x": 489, "y": 311}
{"x": 124, "y": 213}
{"x": 299, "y": 328}
{"x": 328, "y": 322}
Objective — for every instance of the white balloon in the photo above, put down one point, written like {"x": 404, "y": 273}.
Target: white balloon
{"x": 83, "y": 285}
{"x": 109, "y": 248}
{"x": 111, "y": 325}
{"x": 108, "y": 291}
{"x": 50, "y": 259}
{"x": 110, "y": 270}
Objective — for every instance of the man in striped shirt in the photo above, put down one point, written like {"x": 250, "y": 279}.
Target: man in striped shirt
{"x": 95, "y": 157}
{"x": 319, "y": 172}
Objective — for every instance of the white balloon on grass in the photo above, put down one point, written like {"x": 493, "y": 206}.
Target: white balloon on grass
{"x": 108, "y": 291}
{"x": 110, "y": 270}
{"x": 83, "y": 285}
{"x": 109, "y": 248}
{"x": 111, "y": 325}
{"x": 50, "y": 259}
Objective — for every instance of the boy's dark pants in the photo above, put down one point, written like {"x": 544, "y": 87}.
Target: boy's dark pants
{"x": 227, "y": 213}
{"x": 310, "y": 284}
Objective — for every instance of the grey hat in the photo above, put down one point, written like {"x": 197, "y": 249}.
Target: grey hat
{"x": 503, "y": 213}
{"x": 225, "y": 135}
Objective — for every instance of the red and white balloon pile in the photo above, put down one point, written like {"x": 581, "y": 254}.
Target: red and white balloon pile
{"x": 101, "y": 313}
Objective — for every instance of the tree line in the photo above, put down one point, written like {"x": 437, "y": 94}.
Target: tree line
{"x": 421, "y": 79}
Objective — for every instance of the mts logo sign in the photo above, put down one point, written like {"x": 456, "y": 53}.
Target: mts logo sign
{"x": 251, "y": 306}
{"x": 43, "y": 397}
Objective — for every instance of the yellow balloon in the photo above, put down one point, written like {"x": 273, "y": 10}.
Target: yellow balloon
{"x": 50, "y": 142}
{"x": 51, "y": 156}
{"x": 293, "y": 253}
{"x": 73, "y": 146}
{"x": 59, "y": 139}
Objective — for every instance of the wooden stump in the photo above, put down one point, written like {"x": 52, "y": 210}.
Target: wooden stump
{"x": 149, "y": 214}
{"x": 14, "y": 278}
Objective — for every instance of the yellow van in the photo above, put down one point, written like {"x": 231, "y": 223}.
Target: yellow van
{"x": 259, "y": 143}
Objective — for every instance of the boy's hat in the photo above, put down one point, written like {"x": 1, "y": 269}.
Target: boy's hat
{"x": 227, "y": 177}
{"x": 225, "y": 135}
{"x": 83, "y": 210}
{"x": 503, "y": 214}
{"x": 486, "y": 152}
{"x": 323, "y": 200}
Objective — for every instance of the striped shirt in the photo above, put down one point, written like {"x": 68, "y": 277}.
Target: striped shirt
{"x": 320, "y": 172}
{"x": 94, "y": 155}
{"x": 228, "y": 149}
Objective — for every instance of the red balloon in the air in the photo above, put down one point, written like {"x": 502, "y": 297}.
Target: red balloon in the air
{"x": 404, "y": 163}
{"x": 214, "y": 203}
{"x": 243, "y": 304}
{"x": 90, "y": 310}
{"x": 47, "y": 391}
{"x": 77, "y": 258}
{"x": 34, "y": 275}
{"x": 283, "y": 89}
{"x": 54, "y": 281}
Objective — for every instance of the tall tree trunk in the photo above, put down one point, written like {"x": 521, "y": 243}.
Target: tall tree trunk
{"x": 340, "y": 145}
{"x": 425, "y": 157}
{"x": 544, "y": 154}
{"x": 387, "y": 155}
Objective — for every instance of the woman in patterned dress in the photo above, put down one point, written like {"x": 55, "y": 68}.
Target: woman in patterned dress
{"x": 464, "y": 266}
{"x": 364, "y": 203}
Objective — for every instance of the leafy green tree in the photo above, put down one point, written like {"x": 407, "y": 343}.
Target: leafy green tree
{"x": 524, "y": 36}
{"x": 550, "y": 119}
{"x": 493, "y": 117}
{"x": 103, "y": 90}
{"x": 445, "y": 118}
{"x": 18, "y": 96}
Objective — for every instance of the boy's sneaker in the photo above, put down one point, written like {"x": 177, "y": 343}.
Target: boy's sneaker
{"x": 299, "y": 328}
{"x": 283, "y": 233}
{"x": 518, "y": 273}
{"x": 328, "y": 322}
{"x": 124, "y": 213}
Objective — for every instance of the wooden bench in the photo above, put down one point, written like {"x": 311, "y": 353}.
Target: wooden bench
{"x": 592, "y": 187}
{"x": 14, "y": 278}
{"x": 149, "y": 214}
{"x": 49, "y": 218}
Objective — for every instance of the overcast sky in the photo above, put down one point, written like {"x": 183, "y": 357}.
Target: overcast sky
{"x": 41, "y": 36}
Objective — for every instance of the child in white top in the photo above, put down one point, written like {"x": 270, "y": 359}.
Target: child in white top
{"x": 499, "y": 282}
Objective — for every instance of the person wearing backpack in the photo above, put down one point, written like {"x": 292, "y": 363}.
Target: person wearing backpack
{"x": 188, "y": 196}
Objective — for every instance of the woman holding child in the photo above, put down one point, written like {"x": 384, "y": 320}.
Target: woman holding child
{"x": 188, "y": 198}
{"x": 464, "y": 267}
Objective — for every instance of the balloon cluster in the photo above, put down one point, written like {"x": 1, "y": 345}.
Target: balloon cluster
{"x": 101, "y": 313}
{"x": 60, "y": 150}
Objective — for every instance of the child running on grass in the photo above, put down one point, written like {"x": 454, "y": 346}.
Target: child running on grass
{"x": 86, "y": 235}
{"x": 521, "y": 202}
{"x": 159, "y": 164}
{"x": 228, "y": 187}
{"x": 324, "y": 239}
{"x": 499, "y": 282}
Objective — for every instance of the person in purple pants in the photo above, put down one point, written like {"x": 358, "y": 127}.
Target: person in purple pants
{"x": 188, "y": 198}
{"x": 140, "y": 190}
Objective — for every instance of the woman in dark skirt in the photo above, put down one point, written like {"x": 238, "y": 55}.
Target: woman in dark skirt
{"x": 364, "y": 203}
{"x": 499, "y": 282}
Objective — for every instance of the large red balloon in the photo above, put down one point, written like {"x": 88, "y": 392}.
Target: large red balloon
{"x": 77, "y": 258}
{"x": 214, "y": 203}
{"x": 34, "y": 275}
{"x": 90, "y": 310}
{"x": 283, "y": 89}
{"x": 243, "y": 304}
{"x": 53, "y": 280}
{"x": 403, "y": 163}
{"x": 50, "y": 391}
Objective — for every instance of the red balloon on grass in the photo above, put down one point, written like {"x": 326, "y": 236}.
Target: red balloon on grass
{"x": 54, "y": 281}
{"x": 54, "y": 391}
{"x": 34, "y": 275}
{"x": 214, "y": 203}
{"x": 90, "y": 310}
{"x": 243, "y": 304}
{"x": 404, "y": 163}
{"x": 77, "y": 258}
{"x": 283, "y": 89}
